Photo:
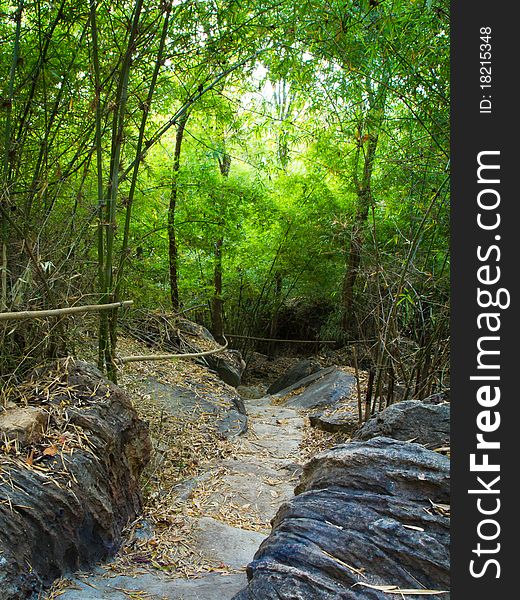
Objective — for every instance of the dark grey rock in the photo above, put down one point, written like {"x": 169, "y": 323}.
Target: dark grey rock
{"x": 191, "y": 328}
{"x": 295, "y": 374}
{"x": 48, "y": 529}
{"x": 438, "y": 398}
{"x": 306, "y": 381}
{"x": 411, "y": 420}
{"x": 229, "y": 364}
{"x": 334, "y": 422}
{"x": 191, "y": 402}
{"x": 212, "y": 586}
{"x": 233, "y": 423}
{"x": 184, "y": 490}
{"x": 362, "y": 514}
{"x": 326, "y": 391}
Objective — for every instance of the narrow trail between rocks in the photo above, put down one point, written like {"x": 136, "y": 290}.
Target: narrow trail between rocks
{"x": 225, "y": 513}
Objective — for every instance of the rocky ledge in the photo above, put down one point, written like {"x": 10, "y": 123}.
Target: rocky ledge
{"x": 368, "y": 518}
{"x": 73, "y": 451}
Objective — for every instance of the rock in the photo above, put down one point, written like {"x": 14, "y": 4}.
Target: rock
{"x": 213, "y": 586}
{"x": 411, "y": 420}
{"x": 251, "y": 392}
{"x": 306, "y": 381}
{"x": 192, "y": 402}
{"x": 296, "y": 373}
{"x": 167, "y": 333}
{"x": 26, "y": 424}
{"x": 229, "y": 366}
{"x": 363, "y": 514}
{"x": 69, "y": 513}
{"x": 194, "y": 329}
{"x": 333, "y": 386}
{"x": 438, "y": 398}
{"x": 222, "y": 543}
{"x": 334, "y": 422}
{"x": 184, "y": 490}
{"x": 233, "y": 423}
{"x": 254, "y": 487}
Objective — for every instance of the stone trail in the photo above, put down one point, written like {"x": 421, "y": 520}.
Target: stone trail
{"x": 261, "y": 475}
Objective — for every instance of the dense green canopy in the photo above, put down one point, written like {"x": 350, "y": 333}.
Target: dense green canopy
{"x": 284, "y": 166}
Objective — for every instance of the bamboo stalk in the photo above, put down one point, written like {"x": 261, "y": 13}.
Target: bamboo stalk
{"x": 7, "y": 147}
{"x": 358, "y": 387}
{"x": 154, "y": 357}
{"x": 103, "y": 323}
{"x": 56, "y": 312}
{"x": 107, "y": 340}
{"x": 142, "y": 128}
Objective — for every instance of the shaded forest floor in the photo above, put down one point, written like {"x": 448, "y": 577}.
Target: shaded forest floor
{"x": 208, "y": 500}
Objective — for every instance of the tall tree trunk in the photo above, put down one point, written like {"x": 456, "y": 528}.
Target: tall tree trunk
{"x": 107, "y": 330}
{"x": 368, "y": 131}
{"x": 273, "y": 327}
{"x": 217, "y": 304}
{"x": 357, "y": 239}
{"x": 172, "y": 238}
{"x": 217, "y": 318}
{"x": 6, "y": 164}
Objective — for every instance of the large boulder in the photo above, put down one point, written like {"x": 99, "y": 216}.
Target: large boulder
{"x": 178, "y": 335}
{"x": 438, "y": 397}
{"x": 343, "y": 420}
{"x": 365, "y": 514}
{"x": 66, "y": 494}
{"x": 423, "y": 422}
{"x": 332, "y": 386}
{"x": 228, "y": 364}
{"x": 195, "y": 401}
{"x": 296, "y": 373}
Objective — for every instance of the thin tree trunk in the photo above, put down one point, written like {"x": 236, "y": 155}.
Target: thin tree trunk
{"x": 273, "y": 328}
{"x": 368, "y": 131}
{"x": 103, "y": 319}
{"x": 365, "y": 200}
{"x": 217, "y": 303}
{"x": 107, "y": 334}
{"x": 172, "y": 236}
{"x": 6, "y": 175}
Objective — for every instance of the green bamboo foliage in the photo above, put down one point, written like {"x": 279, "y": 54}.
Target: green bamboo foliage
{"x": 6, "y": 163}
{"x": 337, "y": 130}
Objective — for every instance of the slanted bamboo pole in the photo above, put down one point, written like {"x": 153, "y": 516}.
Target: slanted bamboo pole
{"x": 147, "y": 357}
{"x": 58, "y": 312}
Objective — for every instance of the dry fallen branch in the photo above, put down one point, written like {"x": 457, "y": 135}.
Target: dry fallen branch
{"x": 145, "y": 357}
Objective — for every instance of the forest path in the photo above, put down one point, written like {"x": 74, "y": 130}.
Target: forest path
{"x": 225, "y": 514}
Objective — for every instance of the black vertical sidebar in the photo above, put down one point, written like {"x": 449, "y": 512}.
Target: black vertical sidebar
{"x": 485, "y": 126}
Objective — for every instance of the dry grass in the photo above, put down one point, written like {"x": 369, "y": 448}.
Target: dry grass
{"x": 51, "y": 392}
